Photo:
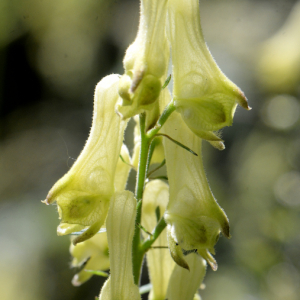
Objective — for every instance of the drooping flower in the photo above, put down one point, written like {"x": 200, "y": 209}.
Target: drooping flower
{"x": 194, "y": 218}
{"x": 184, "y": 284}
{"x": 204, "y": 96}
{"x": 145, "y": 61}
{"x": 120, "y": 226}
{"x": 160, "y": 263}
{"x": 83, "y": 194}
{"x": 93, "y": 252}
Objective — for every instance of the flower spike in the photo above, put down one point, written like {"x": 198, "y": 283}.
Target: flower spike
{"x": 145, "y": 61}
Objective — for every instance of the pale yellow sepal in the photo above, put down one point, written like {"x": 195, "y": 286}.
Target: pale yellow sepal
{"x": 159, "y": 261}
{"x": 145, "y": 61}
{"x": 120, "y": 226}
{"x": 176, "y": 250}
{"x": 184, "y": 284}
{"x": 204, "y": 96}
{"x": 194, "y": 218}
{"x": 83, "y": 194}
{"x": 95, "y": 250}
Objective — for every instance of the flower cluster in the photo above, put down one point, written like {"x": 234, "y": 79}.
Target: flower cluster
{"x": 180, "y": 214}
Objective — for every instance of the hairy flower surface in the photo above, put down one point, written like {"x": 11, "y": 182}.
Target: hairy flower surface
{"x": 120, "y": 225}
{"x": 145, "y": 61}
{"x": 93, "y": 252}
{"x": 184, "y": 284}
{"x": 194, "y": 218}
{"x": 204, "y": 96}
{"x": 160, "y": 263}
{"x": 83, "y": 194}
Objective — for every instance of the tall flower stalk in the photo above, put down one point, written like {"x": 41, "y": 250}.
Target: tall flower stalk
{"x": 176, "y": 222}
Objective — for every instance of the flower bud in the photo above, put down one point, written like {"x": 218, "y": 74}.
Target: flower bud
{"x": 83, "y": 194}
{"x": 145, "y": 61}
{"x": 120, "y": 226}
{"x": 202, "y": 94}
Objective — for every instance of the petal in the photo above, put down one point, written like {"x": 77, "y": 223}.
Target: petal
{"x": 183, "y": 283}
{"x": 159, "y": 261}
{"x": 120, "y": 225}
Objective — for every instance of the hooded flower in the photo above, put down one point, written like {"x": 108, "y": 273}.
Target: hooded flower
{"x": 120, "y": 226}
{"x": 204, "y": 96}
{"x": 145, "y": 61}
{"x": 93, "y": 252}
{"x": 83, "y": 194}
{"x": 160, "y": 263}
{"x": 194, "y": 218}
{"x": 184, "y": 284}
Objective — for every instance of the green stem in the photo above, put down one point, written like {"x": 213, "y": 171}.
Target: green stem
{"x": 161, "y": 121}
{"x": 138, "y": 248}
{"x": 161, "y": 225}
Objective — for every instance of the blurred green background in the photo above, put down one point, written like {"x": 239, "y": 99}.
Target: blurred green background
{"x": 53, "y": 53}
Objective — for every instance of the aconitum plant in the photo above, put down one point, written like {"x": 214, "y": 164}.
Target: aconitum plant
{"x": 173, "y": 220}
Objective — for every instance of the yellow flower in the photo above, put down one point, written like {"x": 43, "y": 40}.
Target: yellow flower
{"x": 159, "y": 261}
{"x": 194, "y": 218}
{"x": 83, "y": 194}
{"x": 95, "y": 252}
{"x": 184, "y": 284}
{"x": 279, "y": 61}
{"x": 145, "y": 61}
{"x": 204, "y": 96}
{"x": 120, "y": 226}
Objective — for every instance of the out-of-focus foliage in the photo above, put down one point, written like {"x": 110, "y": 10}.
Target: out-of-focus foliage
{"x": 53, "y": 53}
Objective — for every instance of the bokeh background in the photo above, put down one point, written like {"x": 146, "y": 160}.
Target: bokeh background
{"x": 53, "y": 53}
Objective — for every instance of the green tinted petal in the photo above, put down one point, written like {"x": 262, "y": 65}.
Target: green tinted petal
{"x": 203, "y": 95}
{"x": 194, "y": 218}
